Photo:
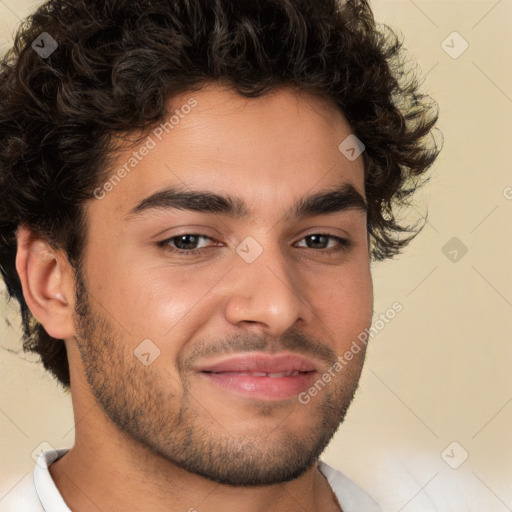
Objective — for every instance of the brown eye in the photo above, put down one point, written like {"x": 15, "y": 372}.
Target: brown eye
{"x": 185, "y": 244}
{"x": 321, "y": 242}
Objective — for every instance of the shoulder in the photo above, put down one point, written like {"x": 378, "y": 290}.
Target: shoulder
{"x": 36, "y": 491}
{"x": 22, "y": 497}
{"x": 351, "y": 497}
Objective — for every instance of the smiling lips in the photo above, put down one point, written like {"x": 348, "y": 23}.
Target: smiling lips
{"x": 262, "y": 376}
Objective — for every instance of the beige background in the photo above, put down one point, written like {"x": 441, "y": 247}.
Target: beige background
{"x": 441, "y": 370}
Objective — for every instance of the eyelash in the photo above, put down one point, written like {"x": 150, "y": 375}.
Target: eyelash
{"x": 344, "y": 244}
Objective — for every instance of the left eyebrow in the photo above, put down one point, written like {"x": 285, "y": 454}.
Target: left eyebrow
{"x": 330, "y": 201}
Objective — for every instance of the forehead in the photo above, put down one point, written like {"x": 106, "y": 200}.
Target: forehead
{"x": 269, "y": 149}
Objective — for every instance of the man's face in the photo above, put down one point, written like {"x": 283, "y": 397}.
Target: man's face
{"x": 256, "y": 316}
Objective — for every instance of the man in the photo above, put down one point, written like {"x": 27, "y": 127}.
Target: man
{"x": 192, "y": 193}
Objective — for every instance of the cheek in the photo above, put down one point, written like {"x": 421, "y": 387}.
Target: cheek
{"x": 347, "y": 303}
{"x": 165, "y": 302}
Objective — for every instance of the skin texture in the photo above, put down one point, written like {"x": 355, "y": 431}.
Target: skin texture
{"x": 161, "y": 436}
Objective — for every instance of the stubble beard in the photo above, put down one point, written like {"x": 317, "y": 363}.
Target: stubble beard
{"x": 143, "y": 404}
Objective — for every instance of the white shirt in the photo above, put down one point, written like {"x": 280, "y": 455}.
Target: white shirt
{"x": 37, "y": 492}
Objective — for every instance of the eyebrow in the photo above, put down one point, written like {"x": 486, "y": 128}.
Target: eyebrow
{"x": 343, "y": 198}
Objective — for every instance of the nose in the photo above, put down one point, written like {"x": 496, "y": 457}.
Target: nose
{"x": 267, "y": 295}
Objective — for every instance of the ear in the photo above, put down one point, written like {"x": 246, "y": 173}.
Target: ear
{"x": 48, "y": 283}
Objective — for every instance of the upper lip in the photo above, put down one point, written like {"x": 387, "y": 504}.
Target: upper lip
{"x": 260, "y": 362}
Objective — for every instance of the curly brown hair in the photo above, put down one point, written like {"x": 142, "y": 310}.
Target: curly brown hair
{"x": 119, "y": 61}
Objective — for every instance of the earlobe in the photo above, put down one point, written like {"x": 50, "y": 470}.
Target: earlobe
{"x": 47, "y": 282}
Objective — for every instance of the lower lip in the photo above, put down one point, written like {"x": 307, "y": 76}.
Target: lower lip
{"x": 262, "y": 388}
